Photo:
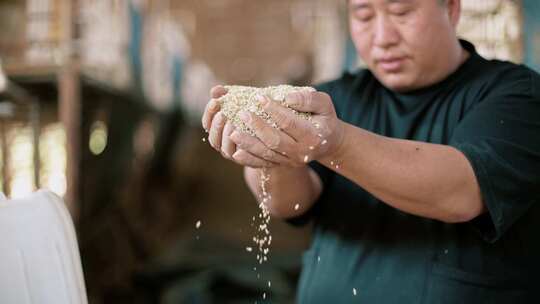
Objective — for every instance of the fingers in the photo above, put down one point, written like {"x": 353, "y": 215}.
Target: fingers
{"x": 255, "y": 147}
{"x": 244, "y": 158}
{"x": 221, "y": 141}
{"x": 312, "y": 102}
{"x": 228, "y": 146}
{"x": 272, "y": 138}
{"x": 216, "y": 131}
{"x": 211, "y": 109}
{"x": 218, "y": 91}
{"x": 296, "y": 127}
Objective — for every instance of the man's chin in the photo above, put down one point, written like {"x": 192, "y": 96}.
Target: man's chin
{"x": 398, "y": 86}
{"x": 397, "y": 83}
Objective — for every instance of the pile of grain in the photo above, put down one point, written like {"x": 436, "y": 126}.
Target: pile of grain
{"x": 240, "y": 98}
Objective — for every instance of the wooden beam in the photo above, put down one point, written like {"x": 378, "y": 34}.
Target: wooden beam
{"x": 70, "y": 106}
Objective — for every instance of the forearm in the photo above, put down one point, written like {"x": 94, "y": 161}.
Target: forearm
{"x": 424, "y": 179}
{"x": 293, "y": 190}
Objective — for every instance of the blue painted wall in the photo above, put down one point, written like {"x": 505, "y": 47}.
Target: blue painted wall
{"x": 531, "y": 31}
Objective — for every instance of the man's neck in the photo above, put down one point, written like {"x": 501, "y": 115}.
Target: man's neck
{"x": 460, "y": 57}
{"x": 464, "y": 56}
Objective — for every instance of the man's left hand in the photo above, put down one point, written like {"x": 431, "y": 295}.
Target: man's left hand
{"x": 298, "y": 139}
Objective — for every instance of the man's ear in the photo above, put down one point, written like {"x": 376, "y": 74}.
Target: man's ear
{"x": 453, "y": 8}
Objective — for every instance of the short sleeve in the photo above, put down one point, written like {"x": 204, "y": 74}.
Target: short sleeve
{"x": 501, "y": 139}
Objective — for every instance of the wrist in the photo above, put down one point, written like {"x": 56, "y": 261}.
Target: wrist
{"x": 338, "y": 148}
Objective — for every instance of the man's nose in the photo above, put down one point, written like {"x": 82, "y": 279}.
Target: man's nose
{"x": 386, "y": 34}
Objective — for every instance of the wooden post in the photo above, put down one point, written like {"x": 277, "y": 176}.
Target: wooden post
{"x": 70, "y": 106}
{"x": 36, "y": 130}
{"x": 5, "y": 157}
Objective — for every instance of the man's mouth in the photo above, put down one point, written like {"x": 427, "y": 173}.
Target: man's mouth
{"x": 391, "y": 64}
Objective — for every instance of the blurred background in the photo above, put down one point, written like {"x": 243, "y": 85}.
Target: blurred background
{"x": 100, "y": 102}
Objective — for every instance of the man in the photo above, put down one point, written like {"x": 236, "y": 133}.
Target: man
{"x": 426, "y": 174}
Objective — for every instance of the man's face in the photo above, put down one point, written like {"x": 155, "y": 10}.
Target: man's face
{"x": 407, "y": 44}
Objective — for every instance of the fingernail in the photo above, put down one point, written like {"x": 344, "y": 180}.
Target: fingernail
{"x": 213, "y": 105}
{"x": 244, "y": 116}
{"x": 291, "y": 97}
{"x": 262, "y": 100}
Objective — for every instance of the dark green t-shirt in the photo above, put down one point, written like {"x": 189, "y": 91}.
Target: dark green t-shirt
{"x": 365, "y": 251}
